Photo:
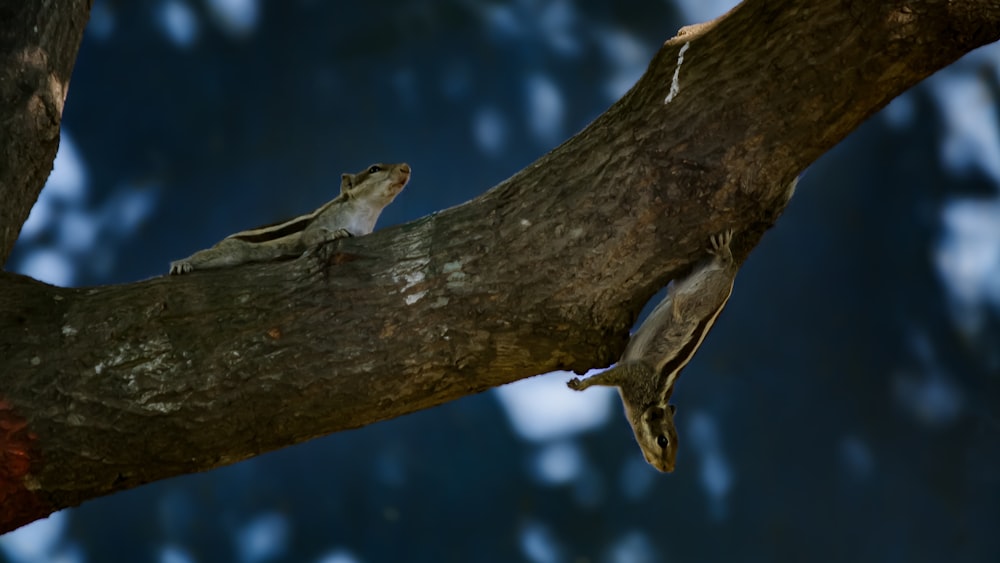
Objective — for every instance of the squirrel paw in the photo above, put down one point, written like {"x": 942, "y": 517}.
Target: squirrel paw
{"x": 576, "y": 384}
{"x": 321, "y": 235}
{"x": 720, "y": 242}
{"x": 322, "y": 247}
{"x": 180, "y": 267}
{"x": 722, "y": 239}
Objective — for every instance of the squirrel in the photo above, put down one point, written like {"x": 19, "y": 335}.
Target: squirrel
{"x": 663, "y": 345}
{"x": 352, "y": 213}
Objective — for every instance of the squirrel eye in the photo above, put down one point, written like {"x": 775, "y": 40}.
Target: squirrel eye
{"x": 662, "y": 441}
{"x": 374, "y": 169}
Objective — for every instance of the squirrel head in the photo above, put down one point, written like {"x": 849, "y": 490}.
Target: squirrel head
{"x": 657, "y": 436}
{"x": 380, "y": 183}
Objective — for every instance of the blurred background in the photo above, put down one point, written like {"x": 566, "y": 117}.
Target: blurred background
{"x": 844, "y": 408}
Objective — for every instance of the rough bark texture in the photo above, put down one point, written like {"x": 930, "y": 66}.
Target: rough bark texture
{"x": 107, "y": 388}
{"x": 38, "y": 44}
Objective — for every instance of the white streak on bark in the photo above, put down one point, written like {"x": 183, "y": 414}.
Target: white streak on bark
{"x": 675, "y": 84}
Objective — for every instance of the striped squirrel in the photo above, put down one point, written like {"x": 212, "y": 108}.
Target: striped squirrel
{"x": 352, "y": 213}
{"x": 663, "y": 345}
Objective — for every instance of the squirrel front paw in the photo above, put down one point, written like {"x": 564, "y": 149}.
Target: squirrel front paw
{"x": 576, "y": 384}
{"x": 720, "y": 242}
{"x": 180, "y": 267}
{"x": 321, "y": 235}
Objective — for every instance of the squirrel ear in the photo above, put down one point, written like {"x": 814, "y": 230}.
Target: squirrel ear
{"x": 346, "y": 181}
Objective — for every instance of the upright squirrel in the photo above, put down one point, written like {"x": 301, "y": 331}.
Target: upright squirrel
{"x": 663, "y": 345}
{"x": 362, "y": 198}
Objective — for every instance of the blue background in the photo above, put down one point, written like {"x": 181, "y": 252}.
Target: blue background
{"x": 844, "y": 408}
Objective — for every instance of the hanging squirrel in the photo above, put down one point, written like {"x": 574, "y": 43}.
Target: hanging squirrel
{"x": 663, "y": 345}
{"x": 362, "y": 198}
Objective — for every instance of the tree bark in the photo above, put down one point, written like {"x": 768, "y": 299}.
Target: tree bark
{"x": 38, "y": 46}
{"x": 107, "y": 388}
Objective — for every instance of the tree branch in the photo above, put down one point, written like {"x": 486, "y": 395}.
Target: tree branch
{"x": 107, "y": 388}
{"x": 38, "y": 45}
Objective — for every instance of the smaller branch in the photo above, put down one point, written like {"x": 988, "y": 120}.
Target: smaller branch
{"x": 38, "y": 46}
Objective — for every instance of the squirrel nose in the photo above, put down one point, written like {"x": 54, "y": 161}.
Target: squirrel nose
{"x": 405, "y": 167}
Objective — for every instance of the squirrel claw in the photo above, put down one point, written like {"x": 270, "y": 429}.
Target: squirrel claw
{"x": 720, "y": 245}
{"x": 180, "y": 267}
{"x": 721, "y": 240}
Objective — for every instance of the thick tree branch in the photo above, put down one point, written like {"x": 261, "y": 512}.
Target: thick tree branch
{"x": 107, "y": 388}
{"x": 38, "y": 45}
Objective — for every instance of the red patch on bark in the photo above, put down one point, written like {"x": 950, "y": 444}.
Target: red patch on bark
{"x": 18, "y": 457}
{"x": 339, "y": 258}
